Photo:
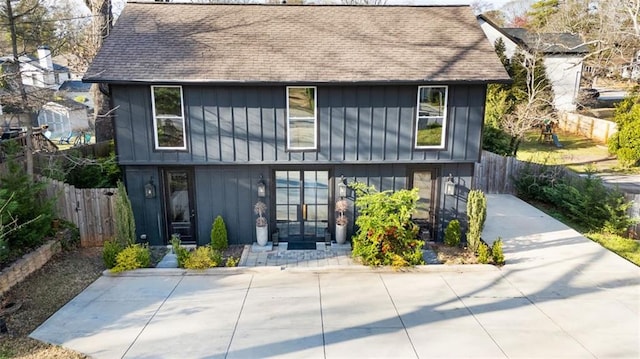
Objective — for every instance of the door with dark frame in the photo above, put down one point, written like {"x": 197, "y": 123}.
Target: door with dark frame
{"x": 302, "y": 207}
{"x": 180, "y": 211}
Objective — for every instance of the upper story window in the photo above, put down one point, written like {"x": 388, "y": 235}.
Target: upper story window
{"x": 168, "y": 118}
{"x": 432, "y": 116}
{"x": 302, "y": 118}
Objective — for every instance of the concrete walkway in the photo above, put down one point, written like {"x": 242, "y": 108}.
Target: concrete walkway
{"x": 559, "y": 296}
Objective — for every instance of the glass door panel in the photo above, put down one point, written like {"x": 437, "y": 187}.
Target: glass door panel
{"x": 302, "y": 204}
{"x": 180, "y": 210}
{"x": 424, "y": 182}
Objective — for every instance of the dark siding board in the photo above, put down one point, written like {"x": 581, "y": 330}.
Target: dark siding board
{"x": 254, "y": 126}
{"x": 227, "y": 149}
{"x": 365, "y": 127}
{"x": 378, "y": 120}
{"x": 357, "y": 124}
{"x": 231, "y": 193}
{"x": 147, "y": 212}
{"x": 459, "y": 129}
{"x": 269, "y": 123}
{"x": 194, "y": 112}
{"x": 213, "y": 146}
{"x": 477, "y": 100}
{"x": 239, "y": 123}
{"x": 388, "y": 130}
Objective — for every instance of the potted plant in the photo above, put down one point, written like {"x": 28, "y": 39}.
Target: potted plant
{"x": 341, "y": 221}
{"x": 262, "y": 229}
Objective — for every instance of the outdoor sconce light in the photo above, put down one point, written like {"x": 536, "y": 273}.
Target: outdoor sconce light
{"x": 450, "y": 186}
{"x": 150, "y": 189}
{"x": 342, "y": 187}
{"x": 262, "y": 188}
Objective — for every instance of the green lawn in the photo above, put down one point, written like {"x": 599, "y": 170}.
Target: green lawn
{"x": 624, "y": 247}
{"x": 576, "y": 153}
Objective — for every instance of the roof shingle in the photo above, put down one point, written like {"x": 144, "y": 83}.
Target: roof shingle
{"x": 205, "y": 43}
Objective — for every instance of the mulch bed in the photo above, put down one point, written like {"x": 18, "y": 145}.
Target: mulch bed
{"x": 453, "y": 255}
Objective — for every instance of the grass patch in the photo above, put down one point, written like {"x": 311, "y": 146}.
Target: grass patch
{"x": 624, "y": 247}
{"x": 577, "y": 152}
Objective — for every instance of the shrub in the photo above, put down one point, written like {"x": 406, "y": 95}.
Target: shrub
{"x": 133, "y": 257}
{"x": 28, "y": 205}
{"x": 496, "y": 252}
{"x": 69, "y": 235}
{"x": 625, "y": 143}
{"x": 201, "y": 258}
{"x": 110, "y": 250}
{"x": 219, "y": 239}
{"x": 125, "y": 224}
{"x": 476, "y": 213}
{"x": 181, "y": 252}
{"x": 483, "y": 253}
{"x": 619, "y": 220}
{"x": 585, "y": 201}
{"x": 102, "y": 172}
{"x": 232, "y": 262}
{"x": 452, "y": 233}
{"x": 386, "y": 235}
{"x": 216, "y": 258}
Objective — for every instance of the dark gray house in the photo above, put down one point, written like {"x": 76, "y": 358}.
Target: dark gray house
{"x": 215, "y": 102}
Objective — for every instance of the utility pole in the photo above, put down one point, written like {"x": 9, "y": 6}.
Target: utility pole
{"x": 28, "y": 152}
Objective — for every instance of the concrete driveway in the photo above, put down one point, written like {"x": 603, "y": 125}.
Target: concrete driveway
{"x": 559, "y": 296}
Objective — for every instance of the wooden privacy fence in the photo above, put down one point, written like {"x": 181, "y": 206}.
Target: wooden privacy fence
{"x": 495, "y": 173}
{"x": 91, "y": 209}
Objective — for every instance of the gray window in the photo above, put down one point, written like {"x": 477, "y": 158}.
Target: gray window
{"x": 432, "y": 115}
{"x": 302, "y": 118}
{"x": 168, "y": 118}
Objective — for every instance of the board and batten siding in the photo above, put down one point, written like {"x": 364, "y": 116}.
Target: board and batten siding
{"x": 246, "y": 125}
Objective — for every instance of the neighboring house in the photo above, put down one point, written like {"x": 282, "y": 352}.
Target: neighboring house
{"x": 214, "y": 101}
{"x": 78, "y": 91}
{"x": 563, "y": 54}
{"x": 631, "y": 70}
{"x": 63, "y": 116}
{"x": 41, "y": 71}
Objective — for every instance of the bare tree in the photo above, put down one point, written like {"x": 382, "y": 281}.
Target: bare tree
{"x": 16, "y": 94}
{"x": 101, "y": 26}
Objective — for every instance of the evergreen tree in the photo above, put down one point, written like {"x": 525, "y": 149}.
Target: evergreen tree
{"x": 125, "y": 223}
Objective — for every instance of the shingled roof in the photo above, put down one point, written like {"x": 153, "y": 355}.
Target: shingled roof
{"x": 214, "y": 43}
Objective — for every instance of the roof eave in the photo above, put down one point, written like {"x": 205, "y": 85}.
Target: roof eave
{"x": 501, "y": 80}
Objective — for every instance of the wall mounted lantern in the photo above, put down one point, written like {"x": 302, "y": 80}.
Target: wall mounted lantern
{"x": 450, "y": 186}
{"x": 262, "y": 188}
{"x": 150, "y": 189}
{"x": 342, "y": 187}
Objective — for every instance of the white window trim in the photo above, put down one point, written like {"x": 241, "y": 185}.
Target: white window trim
{"x": 444, "y": 118}
{"x": 315, "y": 120}
{"x": 155, "y": 120}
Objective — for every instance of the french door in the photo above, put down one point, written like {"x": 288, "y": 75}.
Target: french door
{"x": 302, "y": 205}
{"x": 180, "y": 211}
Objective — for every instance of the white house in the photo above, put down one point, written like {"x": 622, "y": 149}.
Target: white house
{"x": 41, "y": 71}
{"x": 563, "y": 54}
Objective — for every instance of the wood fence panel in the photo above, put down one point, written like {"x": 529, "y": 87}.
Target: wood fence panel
{"x": 90, "y": 209}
